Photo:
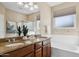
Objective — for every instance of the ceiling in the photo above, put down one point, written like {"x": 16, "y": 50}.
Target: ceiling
{"x": 13, "y": 6}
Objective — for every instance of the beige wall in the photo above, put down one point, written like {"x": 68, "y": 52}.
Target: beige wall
{"x": 2, "y": 12}
{"x": 45, "y": 19}
{"x": 14, "y": 16}
{"x": 31, "y": 17}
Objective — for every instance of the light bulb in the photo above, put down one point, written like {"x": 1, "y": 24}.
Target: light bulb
{"x": 26, "y": 6}
{"x": 31, "y": 3}
{"x": 20, "y": 3}
{"x": 36, "y": 6}
{"x": 31, "y": 8}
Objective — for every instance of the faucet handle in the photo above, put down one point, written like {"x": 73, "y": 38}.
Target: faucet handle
{"x": 13, "y": 39}
{"x": 9, "y": 40}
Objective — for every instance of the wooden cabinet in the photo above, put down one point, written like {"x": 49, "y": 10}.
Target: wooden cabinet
{"x": 44, "y": 51}
{"x": 30, "y": 55}
{"x": 38, "y": 45}
{"x": 46, "y": 48}
{"x": 38, "y": 53}
{"x": 46, "y": 42}
{"x": 38, "y": 49}
{"x": 21, "y": 52}
{"x": 49, "y": 50}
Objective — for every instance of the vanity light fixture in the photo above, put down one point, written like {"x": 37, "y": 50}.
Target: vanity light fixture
{"x": 20, "y": 3}
{"x": 36, "y": 6}
{"x": 29, "y": 5}
{"x": 26, "y": 6}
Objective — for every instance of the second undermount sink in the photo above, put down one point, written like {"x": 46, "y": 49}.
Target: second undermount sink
{"x": 35, "y": 40}
{"x": 27, "y": 42}
{"x": 14, "y": 45}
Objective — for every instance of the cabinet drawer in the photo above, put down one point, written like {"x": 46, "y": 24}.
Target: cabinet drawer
{"x": 38, "y": 53}
{"x": 38, "y": 45}
{"x": 22, "y": 51}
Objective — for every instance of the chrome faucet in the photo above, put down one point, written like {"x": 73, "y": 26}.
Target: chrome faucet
{"x": 9, "y": 40}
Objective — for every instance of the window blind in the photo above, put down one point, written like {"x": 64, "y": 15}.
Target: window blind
{"x": 65, "y": 11}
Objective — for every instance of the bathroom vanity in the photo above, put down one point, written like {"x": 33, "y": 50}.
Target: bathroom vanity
{"x": 26, "y": 48}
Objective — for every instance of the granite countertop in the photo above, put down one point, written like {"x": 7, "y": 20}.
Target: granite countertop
{"x": 4, "y": 45}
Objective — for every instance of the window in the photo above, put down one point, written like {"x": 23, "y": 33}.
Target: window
{"x": 33, "y": 27}
{"x": 65, "y": 17}
{"x": 65, "y": 21}
{"x": 38, "y": 27}
{"x": 30, "y": 26}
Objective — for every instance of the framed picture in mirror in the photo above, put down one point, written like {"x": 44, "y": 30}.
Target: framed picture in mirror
{"x": 11, "y": 27}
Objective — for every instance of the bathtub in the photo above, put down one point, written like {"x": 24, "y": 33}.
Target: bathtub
{"x": 66, "y": 42}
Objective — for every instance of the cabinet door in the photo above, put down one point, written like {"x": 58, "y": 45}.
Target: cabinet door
{"x": 46, "y": 48}
{"x": 21, "y": 52}
{"x": 38, "y": 53}
{"x": 44, "y": 51}
{"x": 49, "y": 50}
{"x": 38, "y": 45}
{"x": 30, "y": 55}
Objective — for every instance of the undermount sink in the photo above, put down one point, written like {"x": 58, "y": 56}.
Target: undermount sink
{"x": 36, "y": 40}
{"x": 27, "y": 42}
{"x": 14, "y": 45}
